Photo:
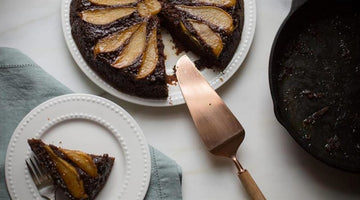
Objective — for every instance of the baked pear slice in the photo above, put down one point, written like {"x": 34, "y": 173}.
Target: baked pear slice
{"x": 105, "y": 16}
{"x": 225, "y": 3}
{"x": 191, "y": 36}
{"x": 133, "y": 50}
{"x": 148, "y": 8}
{"x": 113, "y": 2}
{"x": 115, "y": 40}
{"x": 211, "y": 14}
{"x": 150, "y": 58}
{"x": 81, "y": 159}
{"x": 208, "y": 36}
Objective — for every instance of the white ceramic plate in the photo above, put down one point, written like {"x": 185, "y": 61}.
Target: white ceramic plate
{"x": 216, "y": 79}
{"x": 88, "y": 123}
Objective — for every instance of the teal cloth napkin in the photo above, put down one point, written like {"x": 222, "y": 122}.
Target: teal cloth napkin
{"x": 24, "y": 85}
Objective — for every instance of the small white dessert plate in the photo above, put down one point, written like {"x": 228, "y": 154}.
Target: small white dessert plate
{"x": 215, "y": 78}
{"x": 88, "y": 123}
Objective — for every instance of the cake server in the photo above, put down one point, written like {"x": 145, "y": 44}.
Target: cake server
{"x": 219, "y": 129}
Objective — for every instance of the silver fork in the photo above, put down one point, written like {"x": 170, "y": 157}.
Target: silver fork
{"x": 41, "y": 178}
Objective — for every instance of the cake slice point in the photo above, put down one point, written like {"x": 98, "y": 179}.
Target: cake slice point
{"x": 133, "y": 50}
{"x": 105, "y": 16}
{"x": 80, "y": 175}
{"x": 113, "y": 2}
{"x": 150, "y": 59}
{"x": 211, "y": 14}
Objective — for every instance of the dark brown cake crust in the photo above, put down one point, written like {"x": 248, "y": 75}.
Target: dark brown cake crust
{"x": 92, "y": 185}
{"x": 171, "y": 18}
{"x": 86, "y": 36}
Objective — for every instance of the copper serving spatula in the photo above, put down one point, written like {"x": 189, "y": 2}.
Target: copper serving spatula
{"x": 219, "y": 129}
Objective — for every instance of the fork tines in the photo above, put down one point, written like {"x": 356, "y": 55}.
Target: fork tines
{"x": 40, "y": 176}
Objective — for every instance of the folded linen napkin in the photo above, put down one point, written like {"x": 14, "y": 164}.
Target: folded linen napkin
{"x": 24, "y": 85}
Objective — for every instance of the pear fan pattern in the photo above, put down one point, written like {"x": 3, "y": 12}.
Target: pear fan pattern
{"x": 121, "y": 40}
{"x": 134, "y": 39}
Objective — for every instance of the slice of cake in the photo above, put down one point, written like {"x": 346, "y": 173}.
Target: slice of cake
{"x": 79, "y": 174}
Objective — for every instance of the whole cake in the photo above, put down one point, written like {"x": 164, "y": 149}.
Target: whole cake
{"x": 121, "y": 39}
{"x": 79, "y": 174}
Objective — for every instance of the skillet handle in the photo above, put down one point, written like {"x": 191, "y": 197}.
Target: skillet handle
{"x": 252, "y": 189}
{"x": 297, "y": 4}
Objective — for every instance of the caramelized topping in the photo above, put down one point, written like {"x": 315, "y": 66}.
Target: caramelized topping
{"x": 83, "y": 160}
{"x": 113, "y": 2}
{"x": 114, "y": 41}
{"x": 213, "y": 15}
{"x": 133, "y": 50}
{"x": 69, "y": 175}
{"x": 148, "y": 8}
{"x": 226, "y": 3}
{"x": 150, "y": 57}
{"x": 105, "y": 16}
{"x": 208, "y": 36}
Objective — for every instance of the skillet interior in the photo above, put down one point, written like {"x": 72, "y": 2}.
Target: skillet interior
{"x": 315, "y": 80}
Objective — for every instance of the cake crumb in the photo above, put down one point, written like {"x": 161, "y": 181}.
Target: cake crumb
{"x": 171, "y": 79}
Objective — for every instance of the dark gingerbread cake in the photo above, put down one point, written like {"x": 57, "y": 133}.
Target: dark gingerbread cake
{"x": 121, "y": 41}
{"x": 86, "y": 173}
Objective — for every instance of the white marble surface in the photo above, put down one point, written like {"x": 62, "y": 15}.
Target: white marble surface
{"x": 280, "y": 167}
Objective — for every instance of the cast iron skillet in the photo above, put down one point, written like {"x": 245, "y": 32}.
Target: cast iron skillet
{"x": 314, "y": 79}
